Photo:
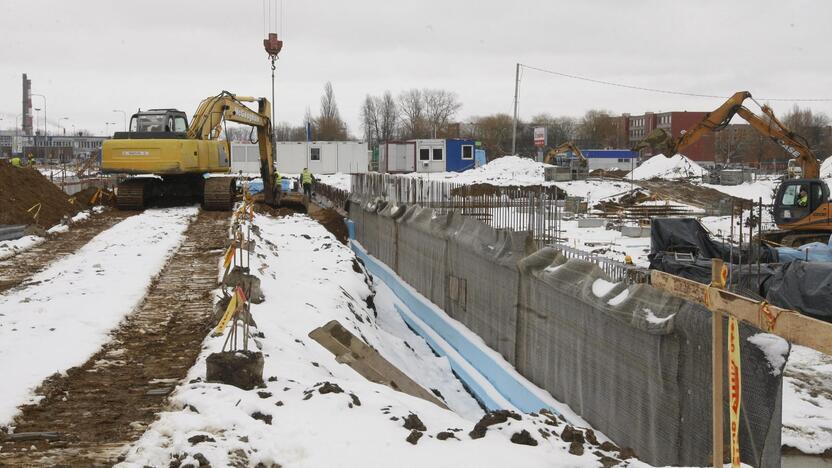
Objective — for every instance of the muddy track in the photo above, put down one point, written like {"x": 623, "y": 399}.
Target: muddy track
{"x": 16, "y": 269}
{"x": 101, "y": 407}
{"x": 681, "y": 191}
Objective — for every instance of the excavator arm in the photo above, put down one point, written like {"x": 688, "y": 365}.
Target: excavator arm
{"x": 563, "y": 147}
{"x": 717, "y": 120}
{"x": 206, "y": 124}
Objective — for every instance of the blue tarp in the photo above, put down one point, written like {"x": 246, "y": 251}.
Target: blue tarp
{"x": 812, "y": 252}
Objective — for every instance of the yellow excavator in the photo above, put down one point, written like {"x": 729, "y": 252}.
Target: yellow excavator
{"x": 169, "y": 159}
{"x": 802, "y": 208}
{"x": 578, "y": 166}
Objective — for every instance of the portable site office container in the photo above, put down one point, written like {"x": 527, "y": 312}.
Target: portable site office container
{"x": 321, "y": 157}
{"x": 430, "y": 155}
{"x": 459, "y": 154}
{"x": 397, "y": 156}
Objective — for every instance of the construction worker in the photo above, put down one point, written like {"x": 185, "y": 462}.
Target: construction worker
{"x": 15, "y": 161}
{"x": 803, "y": 198}
{"x": 306, "y": 179}
{"x": 278, "y": 185}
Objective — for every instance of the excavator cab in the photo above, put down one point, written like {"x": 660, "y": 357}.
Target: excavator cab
{"x": 803, "y": 203}
{"x": 157, "y": 124}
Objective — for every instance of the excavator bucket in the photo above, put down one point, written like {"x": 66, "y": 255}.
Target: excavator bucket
{"x": 659, "y": 140}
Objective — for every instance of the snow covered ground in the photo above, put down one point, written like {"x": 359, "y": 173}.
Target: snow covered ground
{"x": 763, "y": 187}
{"x": 13, "y": 247}
{"x": 308, "y": 279}
{"x": 62, "y": 315}
{"x": 807, "y": 401}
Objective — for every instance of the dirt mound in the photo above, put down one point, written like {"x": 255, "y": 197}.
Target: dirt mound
{"x": 23, "y": 188}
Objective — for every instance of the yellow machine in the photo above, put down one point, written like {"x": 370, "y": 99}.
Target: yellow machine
{"x": 578, "y": 167}
{"x": 802, "y": 209}
{"x": 171, "y": 160}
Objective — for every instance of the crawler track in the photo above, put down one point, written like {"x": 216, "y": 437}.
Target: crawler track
{"x": 17, "y": 269}
{"x": 104, "y": 405}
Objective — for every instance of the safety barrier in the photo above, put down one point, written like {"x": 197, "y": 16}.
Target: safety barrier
{"x": 631, "y": 359}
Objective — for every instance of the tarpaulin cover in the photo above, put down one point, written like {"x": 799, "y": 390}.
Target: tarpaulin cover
{"x": 689, "y": 236}
{"x": 811, "y": 252}
{"x": 802, "y": 286}
{"x": 633, "y": 361}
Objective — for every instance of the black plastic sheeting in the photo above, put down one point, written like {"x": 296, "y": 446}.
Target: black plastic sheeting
{"x": 802, "y": 286}
{"x": 686, "y": 235}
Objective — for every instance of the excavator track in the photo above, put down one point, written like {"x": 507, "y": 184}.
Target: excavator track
{"x": 218, "y": 194}
{"x": 131, "y": 195}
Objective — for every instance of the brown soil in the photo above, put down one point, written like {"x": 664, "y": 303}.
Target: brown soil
{"x": 685, "y": 192}
{"x": 610, "y": 174}
{"x": 16, "y": 269}
{"x": 99, "y": 408}
{"x": 23, "y": 188}
{"x": 331, "y": 220}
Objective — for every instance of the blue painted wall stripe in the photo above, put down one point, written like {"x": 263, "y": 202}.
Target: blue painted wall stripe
{"x": 503, "y": 381}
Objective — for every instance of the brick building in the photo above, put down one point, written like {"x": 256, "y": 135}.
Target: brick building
{"x": 633, "y": 128}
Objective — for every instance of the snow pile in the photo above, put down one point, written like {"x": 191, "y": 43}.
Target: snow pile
{"x": 11, "y": 248}
{"x": 315, "y": 411}
{"x": 62, "y": 315}
{"x": 506, "y": 170}
{"x": 807, "y": 401}
{"x": 661, "y": 167}
{"x": 776, "y": 349}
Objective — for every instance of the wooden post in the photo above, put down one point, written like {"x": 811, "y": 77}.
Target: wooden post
{"x": 717, "y": 359}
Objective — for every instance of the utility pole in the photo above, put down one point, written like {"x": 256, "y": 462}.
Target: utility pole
{"x": 514, "y": 121}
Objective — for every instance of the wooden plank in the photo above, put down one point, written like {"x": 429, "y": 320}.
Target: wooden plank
{"x": 717, "y": 358}
{"x": 788, "y": 324}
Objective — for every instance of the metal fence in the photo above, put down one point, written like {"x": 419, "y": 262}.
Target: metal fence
{"x": 536, "y": 209}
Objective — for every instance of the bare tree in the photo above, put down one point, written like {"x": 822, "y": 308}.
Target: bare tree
{"x": 388, "y": 116}
{"x": 413, "y": 118}
{"x": 370, "y": 120}
{"x": 597, "y": 129}
{"x": 329, "y": 125}
{"x": 494, "y": 131}
{"x": 440, "y": 105}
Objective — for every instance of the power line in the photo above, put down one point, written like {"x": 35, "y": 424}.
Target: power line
{"x": 657, "y": 90}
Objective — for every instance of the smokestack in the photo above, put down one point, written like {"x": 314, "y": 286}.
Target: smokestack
{"x": 27, "y": 106}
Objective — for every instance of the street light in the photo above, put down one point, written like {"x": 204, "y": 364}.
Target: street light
{"x": 44, "y": 111}
{"x": 62, "y": 127}
{"x": 125, "y": 117}
{"x": 37, "y": 117}
{"x": 108, "y": 127}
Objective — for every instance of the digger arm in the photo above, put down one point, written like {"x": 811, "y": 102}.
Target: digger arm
{"x": 207, "y": 124}
{"x": 788, "y": 140}
{"x": 567, "y": 146}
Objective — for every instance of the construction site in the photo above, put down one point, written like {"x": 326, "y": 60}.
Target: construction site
{"x": 209, "y": 287}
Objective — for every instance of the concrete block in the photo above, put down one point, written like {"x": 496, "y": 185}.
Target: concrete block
{"x": 242, "y": 369}
{"x": 591, "y": 222}
{"x": 350, "y": 350}
{"x": 635, "y": 231}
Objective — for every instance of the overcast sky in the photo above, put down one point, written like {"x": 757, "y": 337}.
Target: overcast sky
{"x": 91, "y": 57}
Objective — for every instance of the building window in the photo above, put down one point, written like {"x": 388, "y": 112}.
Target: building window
{"x": 315, "y": 154}
{"x": 424, "y": 154}
{"x": 437, "y": 154}
{"x": 622, "y": 160}
{"x": 467, "y": 152}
